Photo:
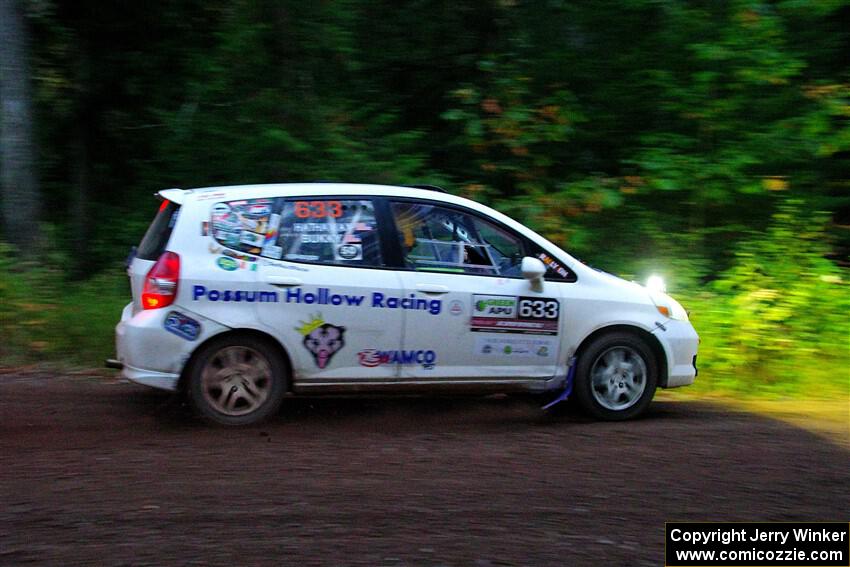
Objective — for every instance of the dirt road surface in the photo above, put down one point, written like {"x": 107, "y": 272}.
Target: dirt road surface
{"x": 98, "y": 471}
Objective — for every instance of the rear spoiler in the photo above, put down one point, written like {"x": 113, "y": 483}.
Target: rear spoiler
{"x": 174, "y": 195}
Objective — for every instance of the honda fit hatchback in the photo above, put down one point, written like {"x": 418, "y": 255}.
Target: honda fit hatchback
{"x": 244, "y": 295}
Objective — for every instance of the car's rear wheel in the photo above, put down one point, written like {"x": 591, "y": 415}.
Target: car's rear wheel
{"x": 237, "y": 380}
{"x": 616, "y": 376}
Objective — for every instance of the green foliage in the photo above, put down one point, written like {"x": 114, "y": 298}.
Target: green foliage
{"x": 641, "y": 136}
{"x": 28, "y": 300}
{"x": 43, "y": 317}
{"x": 777, "y": 319}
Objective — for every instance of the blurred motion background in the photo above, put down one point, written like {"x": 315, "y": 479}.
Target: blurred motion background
{"x": 704, "y": 141}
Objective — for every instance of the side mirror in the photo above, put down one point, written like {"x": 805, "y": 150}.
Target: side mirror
{"x": 533, "y": 269}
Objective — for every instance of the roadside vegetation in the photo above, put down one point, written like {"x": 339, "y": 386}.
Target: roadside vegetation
{"x": 708, "y": 142}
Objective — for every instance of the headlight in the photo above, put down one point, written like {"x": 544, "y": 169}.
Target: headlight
{"x": 668, "y": 306}
{"x": 656, "y": 283}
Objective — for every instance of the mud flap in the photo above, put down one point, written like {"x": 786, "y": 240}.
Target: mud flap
{"x": 568, "y": 386}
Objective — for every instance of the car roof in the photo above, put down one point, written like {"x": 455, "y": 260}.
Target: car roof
{"x": 314, "y": 189}
{"x": 322, "y": 187}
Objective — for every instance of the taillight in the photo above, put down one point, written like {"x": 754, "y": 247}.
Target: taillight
{"x": 161, "y": 282}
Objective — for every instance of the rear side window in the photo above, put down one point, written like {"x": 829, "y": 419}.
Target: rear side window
{"x": 329, "y": 231}
{"x": 156, "y": 238}
{"x": 247, "y": 225}
{"x": 320, "y": 231}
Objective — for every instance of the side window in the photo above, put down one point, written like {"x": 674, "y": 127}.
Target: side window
{"x": 440, "y": 239}
{"x": 243, "y": 225}
{"x": 328, "y": 231}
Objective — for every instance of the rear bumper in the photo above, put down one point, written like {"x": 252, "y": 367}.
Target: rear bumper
{"x": 160, "y": 380}
{"x": 151, "y": 353}
{"x": 680, "y": 342}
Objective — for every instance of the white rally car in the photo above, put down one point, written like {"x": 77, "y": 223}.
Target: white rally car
{"x": 243, "y": 295}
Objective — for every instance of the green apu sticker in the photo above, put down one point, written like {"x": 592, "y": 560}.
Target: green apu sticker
{"x": 226, "y": 263}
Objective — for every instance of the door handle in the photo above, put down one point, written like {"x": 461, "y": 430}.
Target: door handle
{"x": 432, "y": 288}
{"x": 283, "y": 281}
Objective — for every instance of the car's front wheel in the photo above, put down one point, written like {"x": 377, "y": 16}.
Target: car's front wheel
{"x": 237, "y": 380}
{"x": 616, "y": 376}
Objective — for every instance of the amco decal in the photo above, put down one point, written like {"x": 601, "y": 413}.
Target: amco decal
{"x": 371, "y": 357}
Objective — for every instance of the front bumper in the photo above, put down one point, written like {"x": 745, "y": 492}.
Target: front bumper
{"x": 680, "y": 342}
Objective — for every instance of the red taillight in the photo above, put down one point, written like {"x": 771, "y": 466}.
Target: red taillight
{"x": 161, "y": 282}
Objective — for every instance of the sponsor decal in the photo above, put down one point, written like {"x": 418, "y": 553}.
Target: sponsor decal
{"x": 205, "y": 228}
{"x": 371, "y": 357}
{"x": 270, "y": 248}
{"x": 227, "y": 264}
{"x": 243, "y": 225}
{"x": 273, "y": 251}
{"x": 208, "y": 195}
{"x": 228, "y": 238}
{"x": 220, "y": 210}
{"x": 302, "y": 257}
{"x": 200, "y": 292}
{"x": 508, "y": 314}
{"x": 456, "y": 307}
{"x": 251, "y": 238}
{"x": 516, "y": 347}
{"x": 233, "y": 260}
{"x": 553, "y": 264}
{"x": 378, "y": 300}
{"x": 501, "y": 306}
{"x": 239, "y": 256}
{"x": 259, "y": 210}
{"x": 322, "y": 339}
{"x": 284, "y": 265}
{"x": 182, "y": 325}
{"x": 350, "y": 252}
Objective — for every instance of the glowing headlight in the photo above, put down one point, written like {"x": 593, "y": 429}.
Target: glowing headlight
{"x": 656, "y": 283}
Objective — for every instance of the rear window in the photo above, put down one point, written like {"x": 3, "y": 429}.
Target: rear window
{"x": 317, "y": 230}
{"x": 156, "y": 238}
{"x": 329, "y": 231}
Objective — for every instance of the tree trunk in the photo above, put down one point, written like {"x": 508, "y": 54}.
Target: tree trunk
{"x": 19, "y": 194}
{"x": 81, "y": 165}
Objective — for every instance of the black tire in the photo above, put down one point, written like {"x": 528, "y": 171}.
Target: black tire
{"x": 237, "y": 380}
{"x": 616, "y": 377}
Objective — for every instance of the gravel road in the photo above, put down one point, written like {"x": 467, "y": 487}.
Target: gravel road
{"x": 94, "y": 470}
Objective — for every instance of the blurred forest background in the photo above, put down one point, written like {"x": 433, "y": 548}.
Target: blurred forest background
{"x": 706, "y": 141}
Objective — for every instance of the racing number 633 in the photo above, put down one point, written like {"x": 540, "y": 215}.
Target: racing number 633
{"x": 539, "y": 308}
{"x": 318, "y": 209}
